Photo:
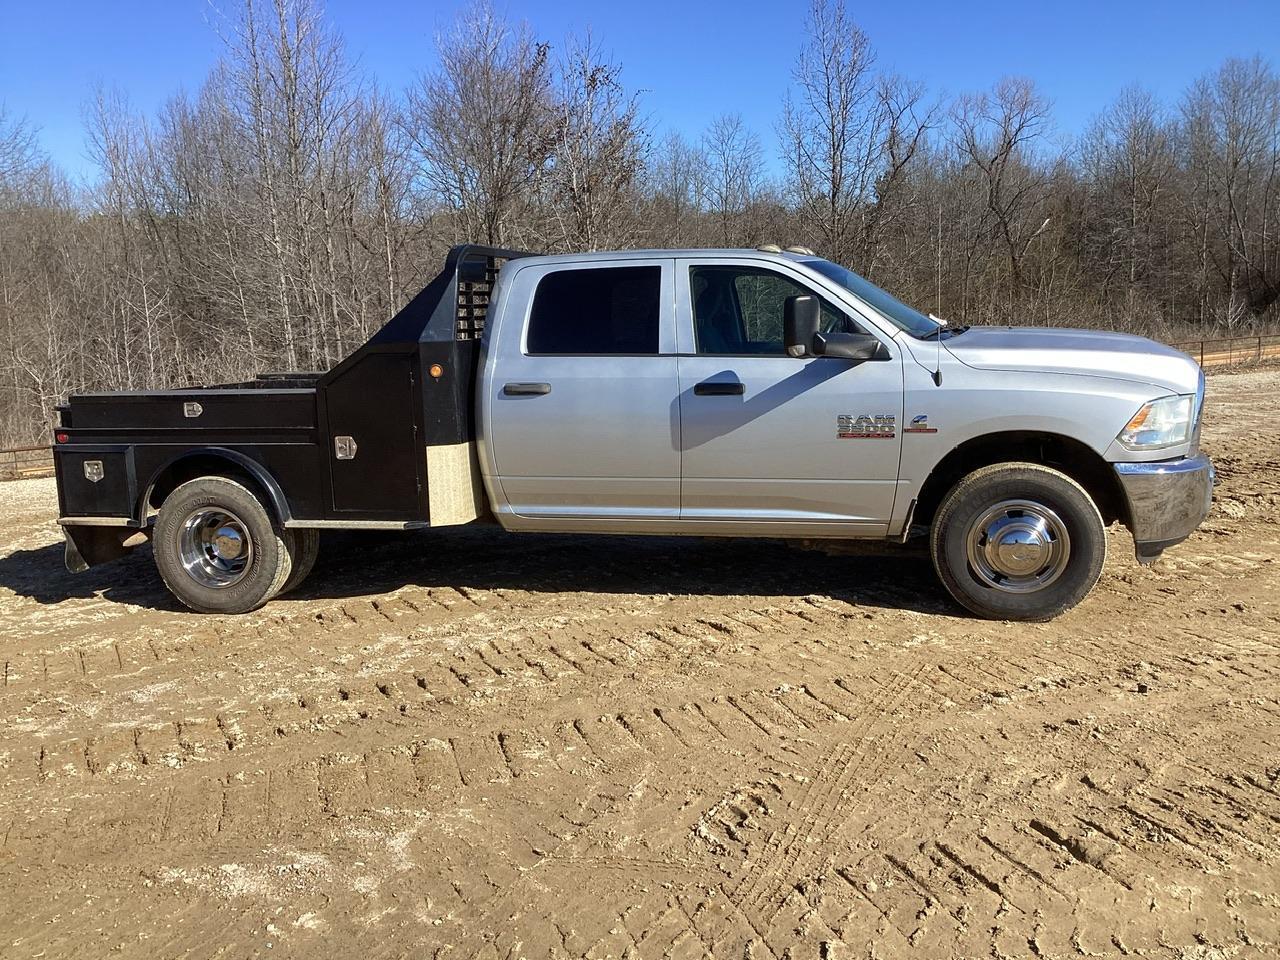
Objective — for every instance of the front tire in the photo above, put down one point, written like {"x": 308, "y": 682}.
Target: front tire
{"x": 1018, "y": 541}
{"x": 218, "y": 549}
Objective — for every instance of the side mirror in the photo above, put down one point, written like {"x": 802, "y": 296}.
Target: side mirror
{"x": 849, "y": 346}
{"x": 801, "y": 319}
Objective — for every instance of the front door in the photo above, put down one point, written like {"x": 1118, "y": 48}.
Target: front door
{"x": 770, "y": 437}
{"x": 582, "y": 405}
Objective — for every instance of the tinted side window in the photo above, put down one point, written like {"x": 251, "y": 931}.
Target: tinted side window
{"x": 608, "y": 310}
{"x": 740, "y": 309}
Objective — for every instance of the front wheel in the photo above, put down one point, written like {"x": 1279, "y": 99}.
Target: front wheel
{"x": 1018, "y": 541}
{"x": 218, "y": 549}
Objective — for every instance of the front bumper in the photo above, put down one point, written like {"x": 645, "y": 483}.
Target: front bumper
{"x": 1167, "y": 500}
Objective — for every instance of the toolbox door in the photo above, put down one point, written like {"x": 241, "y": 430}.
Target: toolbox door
{"x": 375, "y": 455}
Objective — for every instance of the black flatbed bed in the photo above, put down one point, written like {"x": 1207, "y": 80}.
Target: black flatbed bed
{"x": 117, "y": 454}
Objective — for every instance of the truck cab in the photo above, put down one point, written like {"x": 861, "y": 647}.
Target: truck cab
{"x": 704, "y": 392}
{"x": 659, "y": 391}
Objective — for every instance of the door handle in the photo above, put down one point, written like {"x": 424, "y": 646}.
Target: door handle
{"x": 719, "y": 388}
{"x": 526, "y": 389}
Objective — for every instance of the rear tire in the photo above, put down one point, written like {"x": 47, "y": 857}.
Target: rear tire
{"x": 217, "y": 548}
{"x": 1018, "y": 541}
{"x": 303, "y": 547}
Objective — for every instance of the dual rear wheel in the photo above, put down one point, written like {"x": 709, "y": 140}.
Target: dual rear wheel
{"x": 218, "y": 550}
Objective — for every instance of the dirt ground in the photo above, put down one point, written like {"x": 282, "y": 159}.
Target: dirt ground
{"x": 467, "y": 744}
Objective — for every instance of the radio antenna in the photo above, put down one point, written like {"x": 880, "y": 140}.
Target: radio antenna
{"x": 937, "y": 350}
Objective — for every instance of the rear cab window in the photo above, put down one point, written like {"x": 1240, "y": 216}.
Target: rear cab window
{"x": 601, "y": 311}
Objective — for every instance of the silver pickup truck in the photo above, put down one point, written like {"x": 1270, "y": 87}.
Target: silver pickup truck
{"x": 759, "y": 393}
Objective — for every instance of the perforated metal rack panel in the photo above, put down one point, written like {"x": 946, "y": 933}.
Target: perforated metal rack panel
{"x": 473, "y": 301}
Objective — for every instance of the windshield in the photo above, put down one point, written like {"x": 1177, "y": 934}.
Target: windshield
{"x": 898, "y": 313}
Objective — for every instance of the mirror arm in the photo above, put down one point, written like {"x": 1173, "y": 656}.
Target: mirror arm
{"x": 860, "y": 347}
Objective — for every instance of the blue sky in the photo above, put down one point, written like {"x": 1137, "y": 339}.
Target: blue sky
{"x": 693, "y": 59}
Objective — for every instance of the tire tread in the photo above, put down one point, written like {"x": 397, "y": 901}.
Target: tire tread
{"x": 303, "y": 546}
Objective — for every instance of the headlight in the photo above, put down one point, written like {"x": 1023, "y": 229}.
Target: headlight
{"x": 1166, "y": 422}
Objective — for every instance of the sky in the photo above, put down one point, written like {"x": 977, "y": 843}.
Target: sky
{"x": 692, "y": 59}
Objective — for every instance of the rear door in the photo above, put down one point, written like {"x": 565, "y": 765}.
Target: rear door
{"x": 582, "y": 407}
{"x": 767, "y": 436}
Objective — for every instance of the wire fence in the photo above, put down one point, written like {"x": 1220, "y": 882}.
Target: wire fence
{"x": 1223, "y": 350}
{"x": 19, "y": 462}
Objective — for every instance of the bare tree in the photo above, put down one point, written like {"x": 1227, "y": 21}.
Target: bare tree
{"x": 996, "y": 135}
{"x": 20, "y": 161}
{"x": 831, "y": 127}
{"x": 735, "y": 178}
{"x": 848, "y": 135}
{"x": 43, "y": 340}
{"x": 385, "y": 156}
{"x": 908, "y": 121}
{"x": 675, "y": 185}
{"x": 1231, "y": 124}
{"x": 598, "y": 153}
{"x": 481, "y": 125}
{"x": 1129, "y": 161}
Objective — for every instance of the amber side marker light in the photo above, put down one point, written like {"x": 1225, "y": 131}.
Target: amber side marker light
{"x": 436, "y": 371}
{"x": 1139, "y": 418}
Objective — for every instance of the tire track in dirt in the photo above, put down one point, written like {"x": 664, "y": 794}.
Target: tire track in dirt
{"x": 481, "y": 757}
{"x": 789, "y": 850}
{"x": 1177, "y": 847}
{"x": 1019, "y": 862}
{"x": 528, "y": 655}
{"x": 435, "y": 690}
{"x": 923, "y": 891}
{"x": 1109, "y": 856}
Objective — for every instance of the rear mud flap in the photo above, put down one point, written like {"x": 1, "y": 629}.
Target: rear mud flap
{"x": 89, "y": 546}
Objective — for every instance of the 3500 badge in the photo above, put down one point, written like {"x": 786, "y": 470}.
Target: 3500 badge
{"x": 883, "y": 426}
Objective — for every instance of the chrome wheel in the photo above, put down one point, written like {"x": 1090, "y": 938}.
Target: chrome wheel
{"x": 215, "y": 547}
{"x": 1018, "y": 546}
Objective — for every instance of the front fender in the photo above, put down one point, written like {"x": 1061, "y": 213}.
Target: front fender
{"x": 970, "y": 404}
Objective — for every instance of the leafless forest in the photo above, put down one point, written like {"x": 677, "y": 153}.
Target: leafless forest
{"x": 278, "y": 215}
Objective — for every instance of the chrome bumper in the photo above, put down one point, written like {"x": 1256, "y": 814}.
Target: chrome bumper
{"x": 1167, "y": 500}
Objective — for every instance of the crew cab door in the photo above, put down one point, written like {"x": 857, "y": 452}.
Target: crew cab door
{"x": 770, "y": 437}
{"x": 581, "y": 393}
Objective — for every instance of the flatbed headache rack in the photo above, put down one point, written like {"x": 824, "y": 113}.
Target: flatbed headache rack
{"x": 444, "y": 324}
{"x": 385, "y": 439}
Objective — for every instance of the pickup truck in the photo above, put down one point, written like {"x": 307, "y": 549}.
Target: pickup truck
{"x": 726, "y": 393}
